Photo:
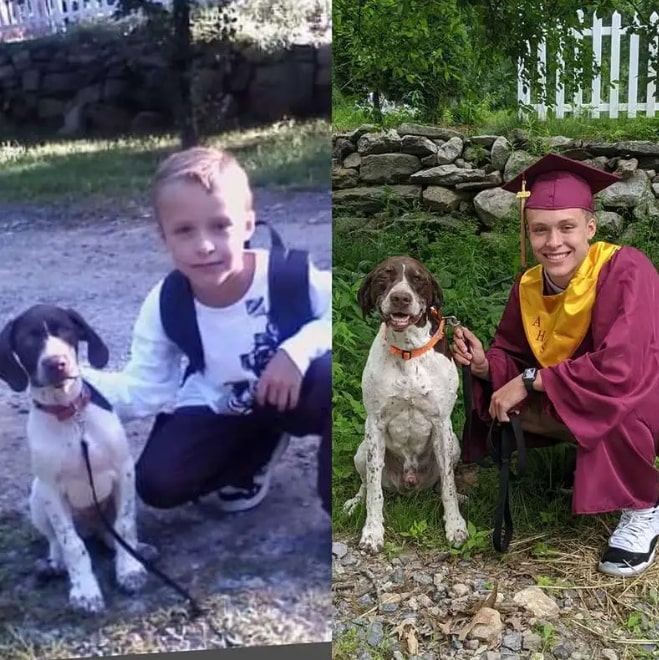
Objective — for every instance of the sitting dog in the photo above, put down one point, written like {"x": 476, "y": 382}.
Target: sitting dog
{"x": 409, "y": 386}
{"x": 39, "y": 352}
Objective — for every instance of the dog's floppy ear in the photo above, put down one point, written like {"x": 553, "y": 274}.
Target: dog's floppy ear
{"x": 97, "y": 351}
{"x": 437, "y": 296}
{"x": 10, "y": 370}
{"x": 364, "y": 297}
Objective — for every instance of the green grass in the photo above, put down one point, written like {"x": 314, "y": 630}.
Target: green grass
{"x": 347, "y": 116}
{"x": 287, "y": 154}
{"x": 578, "y": 128}
{"x": 476, "y": 275}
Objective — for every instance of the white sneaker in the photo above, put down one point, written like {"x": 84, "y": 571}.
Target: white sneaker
{"x": 234, "y": 499}
{"x": 633, "y": 544}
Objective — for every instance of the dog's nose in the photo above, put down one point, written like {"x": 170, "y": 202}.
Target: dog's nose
{"x": 401, "y": 298}
{"x": 55, "y": 364}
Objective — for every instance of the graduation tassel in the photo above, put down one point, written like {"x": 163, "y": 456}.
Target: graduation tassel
{"x": 522, "y": 195}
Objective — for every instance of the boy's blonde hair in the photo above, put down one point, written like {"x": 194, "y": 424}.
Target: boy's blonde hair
{"x": 203, "y": 165}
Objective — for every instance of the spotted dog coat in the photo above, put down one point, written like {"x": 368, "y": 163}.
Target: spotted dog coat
{"x": 409, "y": 443}
{"x": 38, "y": 352}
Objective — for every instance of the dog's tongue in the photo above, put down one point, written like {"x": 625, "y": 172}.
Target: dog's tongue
{"x": 399, "y": 320}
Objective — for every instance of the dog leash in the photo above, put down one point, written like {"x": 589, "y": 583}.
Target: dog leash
{"x": 510, "y": 436}
{"x": 195, "y": 610}
{"x": 467, "y": 396}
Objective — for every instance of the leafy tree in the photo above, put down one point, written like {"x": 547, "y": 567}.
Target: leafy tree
{"x": 439, "y": 53}
{"x": 409, "y": 51}
{"x": 516, "y": 29}
{"x": 172, "y": 29}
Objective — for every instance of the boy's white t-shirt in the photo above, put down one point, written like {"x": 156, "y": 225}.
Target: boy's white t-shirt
{"x": 237, "y": 341}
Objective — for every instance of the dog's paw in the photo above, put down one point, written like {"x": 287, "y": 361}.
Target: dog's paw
{"x": 456, "y": 532}
{"x": 133, "y": 581}
{"x": 372, "y": 540}
{"x": 87, "y": 602}
{"x": 48, "y": 569}
{"x": 350, "y": 506}
{"x": 148, "y": 551}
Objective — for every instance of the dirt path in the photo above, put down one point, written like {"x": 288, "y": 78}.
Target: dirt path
{"x": 264, "y": 574}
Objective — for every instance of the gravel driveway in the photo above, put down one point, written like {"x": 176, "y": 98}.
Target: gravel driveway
{"x": 264, "y": 575}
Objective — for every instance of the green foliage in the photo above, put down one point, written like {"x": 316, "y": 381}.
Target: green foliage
{"x": 415, "y": 51}
{"x": 349, "y": 112}
{"x": 478, "y": 541}
{"x": 456, "y": 62}
{"x": 547, "y": 633}
{"x": 417, "y": 531}
{"x": 268, "y": 24}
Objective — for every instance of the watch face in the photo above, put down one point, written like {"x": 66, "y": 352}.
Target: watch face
{"x": 529, "y": 373}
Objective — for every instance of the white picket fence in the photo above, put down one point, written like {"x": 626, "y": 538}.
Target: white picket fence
{"x": 31, "y": 18}
{"x": 596, "y": 105}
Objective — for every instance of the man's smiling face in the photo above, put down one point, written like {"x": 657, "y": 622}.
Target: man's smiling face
{"x": 560, "y": 240}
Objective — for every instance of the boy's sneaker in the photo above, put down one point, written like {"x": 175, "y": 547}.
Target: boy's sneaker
{"x": 633, "y": 544}
{"x": 234, "y": 499}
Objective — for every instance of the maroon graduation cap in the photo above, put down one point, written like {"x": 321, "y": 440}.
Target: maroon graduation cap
{"x": 557, "y": 182}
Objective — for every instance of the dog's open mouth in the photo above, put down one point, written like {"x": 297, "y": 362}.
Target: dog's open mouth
{"x": 56, "y": 383}
{"x": 399, "y": 321}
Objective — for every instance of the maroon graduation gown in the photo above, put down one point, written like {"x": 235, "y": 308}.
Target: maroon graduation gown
{"x": 607, "y": 393}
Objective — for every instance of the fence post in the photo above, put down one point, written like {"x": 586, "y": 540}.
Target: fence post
{"x": 614, "y": 76}
{"x": 560, "y": 89}
{"x": 596, "y": 88}
{"x": 650, "y": 100}
{"x": 632, "y": 83}
{"x": 542, "y": 80}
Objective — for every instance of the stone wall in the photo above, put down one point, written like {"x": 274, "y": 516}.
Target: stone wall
{"x": 92, "y": 82}
{"x": 451, "y": 174}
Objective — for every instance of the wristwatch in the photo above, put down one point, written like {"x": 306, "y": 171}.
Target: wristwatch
{"x": 528, "y": 378}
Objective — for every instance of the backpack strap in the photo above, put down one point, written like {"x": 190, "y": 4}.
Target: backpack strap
{"x": 179, "y": 320}
{"x": 288, "y": 286}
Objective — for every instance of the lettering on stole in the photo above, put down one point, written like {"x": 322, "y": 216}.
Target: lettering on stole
{"x": 540, "y": 337}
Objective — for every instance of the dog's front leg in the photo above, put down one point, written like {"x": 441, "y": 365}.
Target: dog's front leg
{"x": 131, "y": 574}
{"x": 444, "y": 446}
{"x": 85, "y": 594}
{"x": 372, "y": 539}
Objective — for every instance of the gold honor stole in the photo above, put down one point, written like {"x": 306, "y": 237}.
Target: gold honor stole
{"x": 555, "y": 325}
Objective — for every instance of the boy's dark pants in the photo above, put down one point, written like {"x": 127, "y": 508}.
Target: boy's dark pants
{"x": 193, "y": 451}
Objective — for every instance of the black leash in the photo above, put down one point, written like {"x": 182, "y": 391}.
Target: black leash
{"x": 467, "y": 397}
{"x": 511, "y": 436}
{"x": 195, "y": 609}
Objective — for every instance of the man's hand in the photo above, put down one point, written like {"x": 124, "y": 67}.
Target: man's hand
{"x": 507, "y": 398}
{"x": 475, "y": 356}
{"x": 280, "y": 383}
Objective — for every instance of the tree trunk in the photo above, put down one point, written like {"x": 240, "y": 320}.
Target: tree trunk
{"x": 183, "y": 69}
{"x": 377, "y": 109}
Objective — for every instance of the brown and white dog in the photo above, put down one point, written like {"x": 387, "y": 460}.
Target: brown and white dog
{"x": 409, "y": 388}
{"x": 39, "y": 352}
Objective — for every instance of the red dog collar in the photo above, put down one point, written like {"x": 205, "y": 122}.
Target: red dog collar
{"x": 66, "y": 412}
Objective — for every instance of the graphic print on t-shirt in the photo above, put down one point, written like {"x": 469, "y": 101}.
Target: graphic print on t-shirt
{"x": 240, "y": 397}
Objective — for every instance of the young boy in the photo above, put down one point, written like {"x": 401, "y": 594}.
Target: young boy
{"x": 250, "y": 385}
{"x": 576, "y": 354}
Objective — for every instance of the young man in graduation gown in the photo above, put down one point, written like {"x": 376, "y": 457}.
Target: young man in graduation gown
{"x": 576, "y": 354}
